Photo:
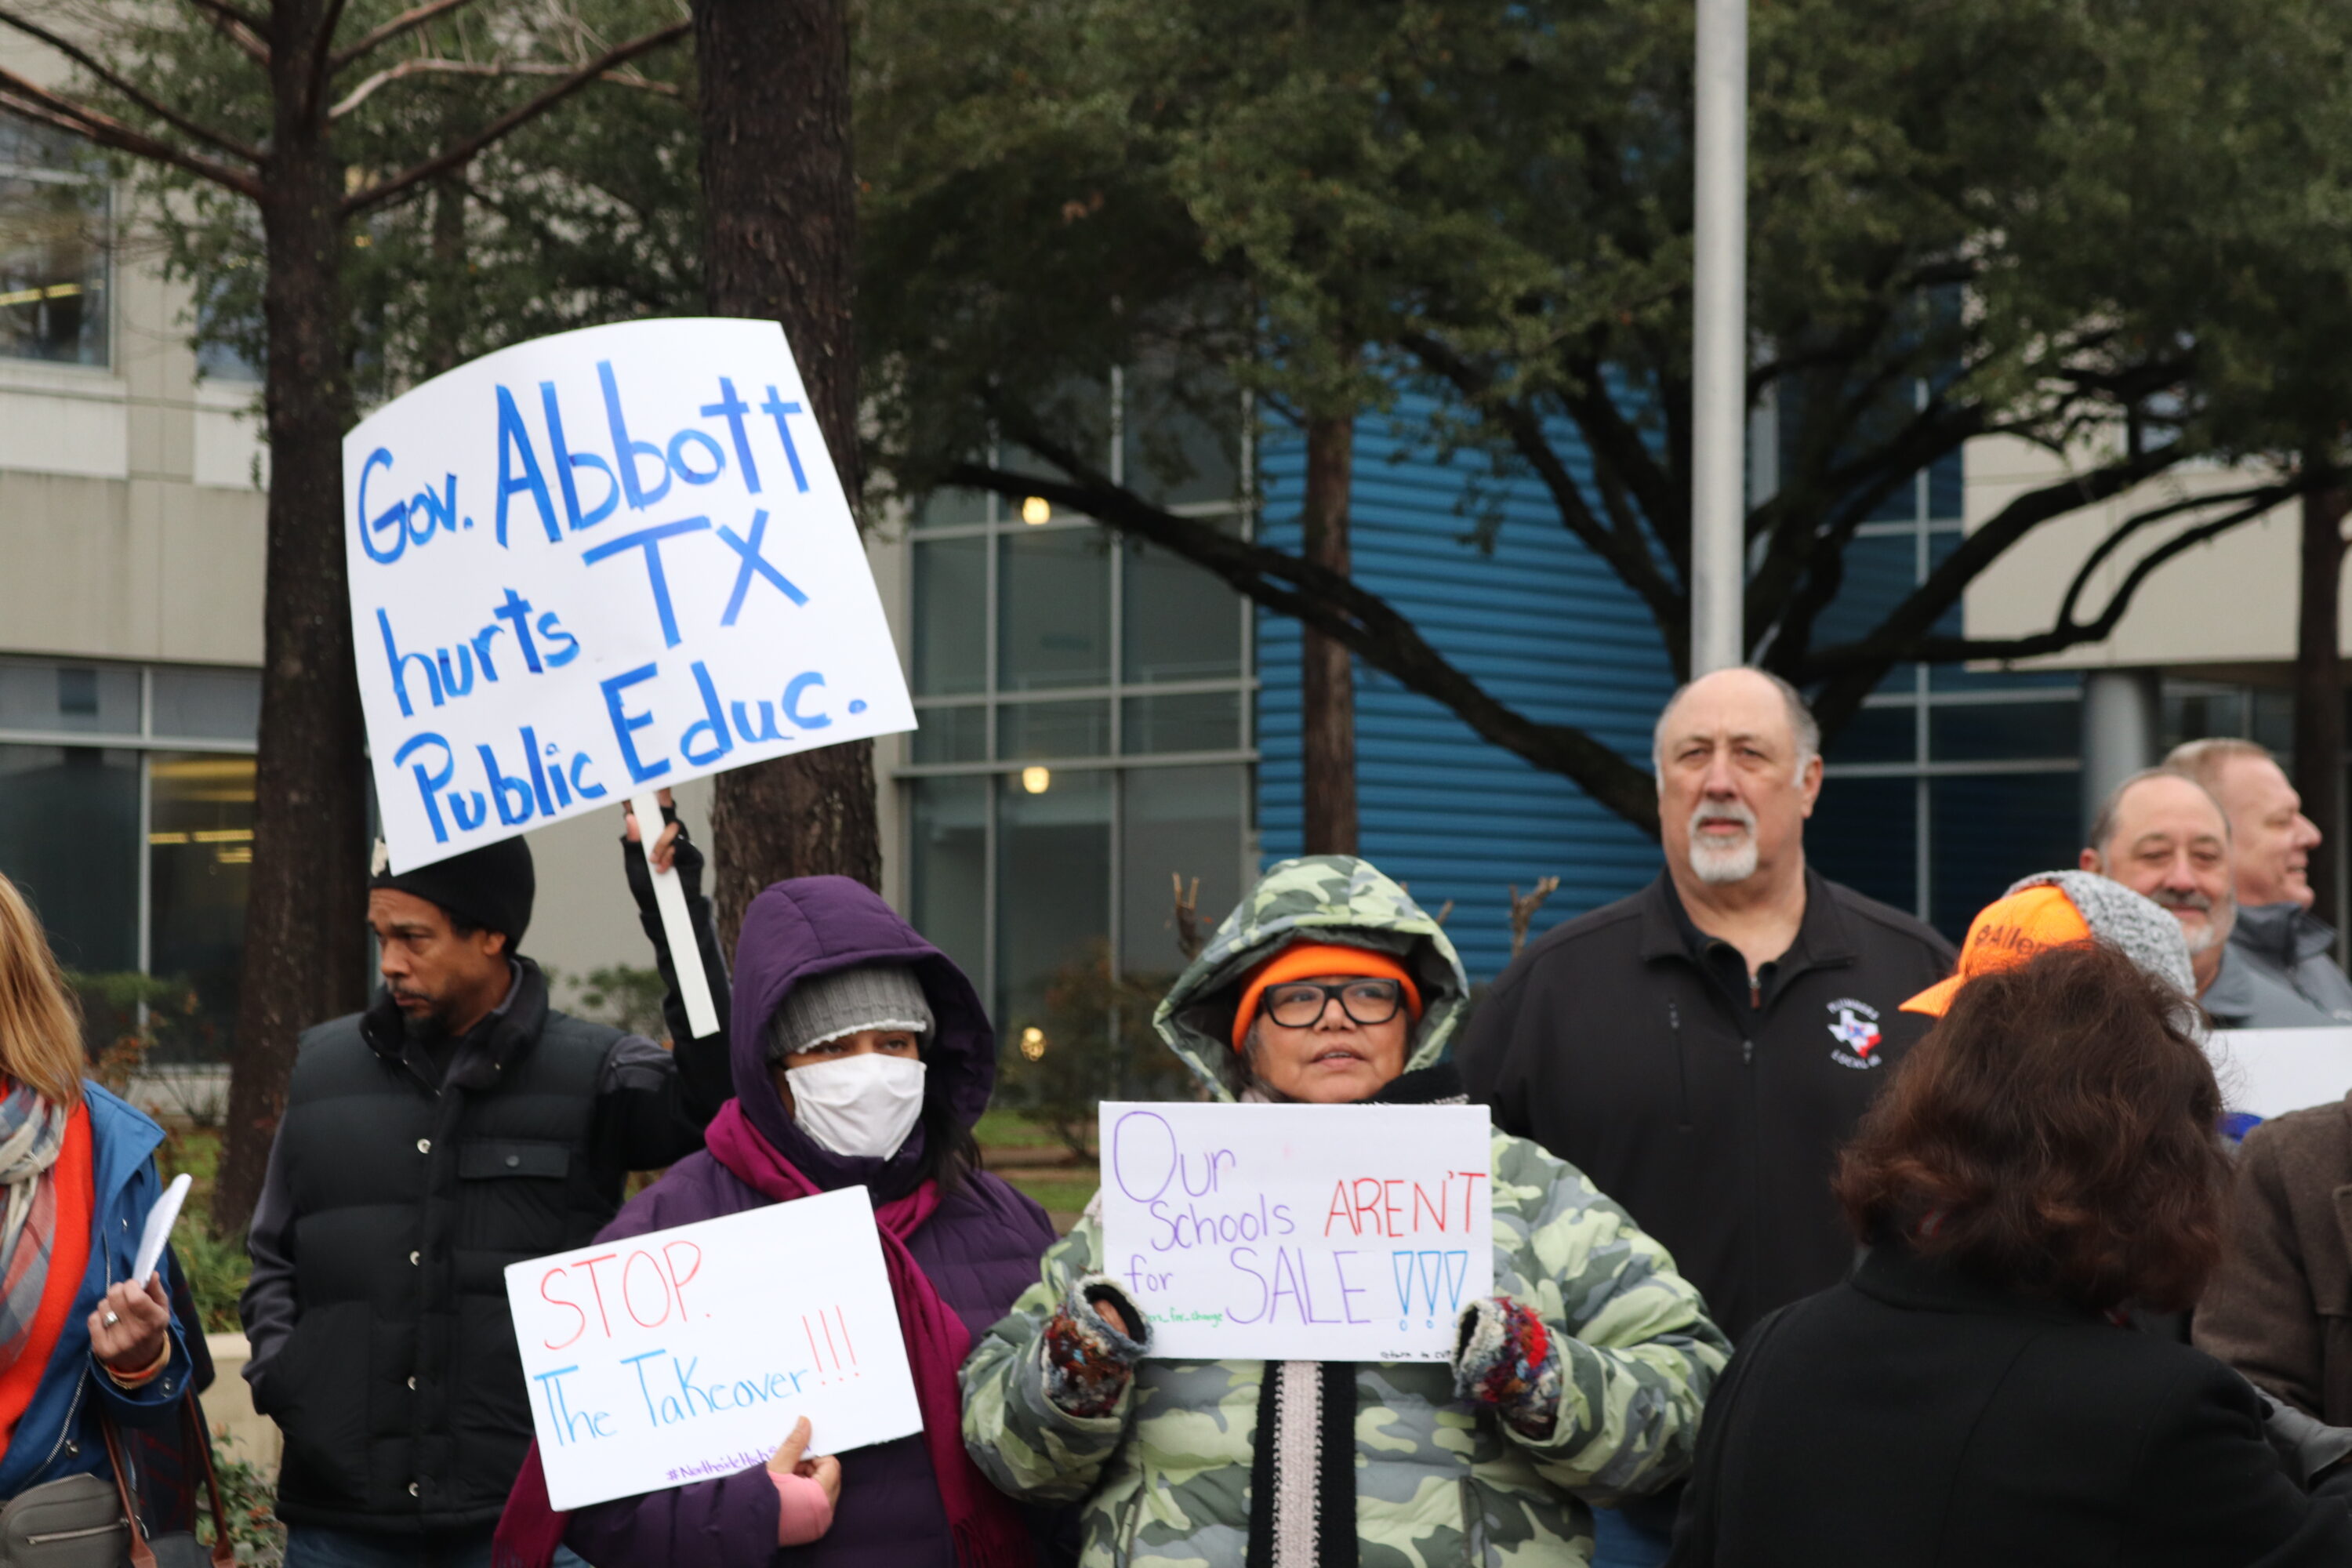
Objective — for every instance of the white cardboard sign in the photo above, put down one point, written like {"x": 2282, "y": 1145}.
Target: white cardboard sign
{"x": 2269, "y": 1073}
{"x": 1298, "y": 1232}
{"x": 598, "y": 563}
{"x": 688, "y": 1354}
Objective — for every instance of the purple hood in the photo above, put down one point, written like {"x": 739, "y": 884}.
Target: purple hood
{"x": 814, "y": 925}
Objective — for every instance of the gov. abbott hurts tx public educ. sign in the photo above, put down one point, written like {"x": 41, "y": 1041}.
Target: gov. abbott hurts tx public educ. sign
{"x": 599, "y": 564}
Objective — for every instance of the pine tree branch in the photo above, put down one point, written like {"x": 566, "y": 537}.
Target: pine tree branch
{"x": 39, "y": 103}
{"x": 465, "y": 152}
{"x": 407, "y": 22}
{"x": 239, "y": 26}
{"x": 434, "y": 65}
{"x": 112, "y": 79}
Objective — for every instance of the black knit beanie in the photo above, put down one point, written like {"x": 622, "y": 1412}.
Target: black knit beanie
{"x": 491, "y": 886}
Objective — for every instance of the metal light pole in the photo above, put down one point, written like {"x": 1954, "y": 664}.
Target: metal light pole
{"x": 1719, "y": 341}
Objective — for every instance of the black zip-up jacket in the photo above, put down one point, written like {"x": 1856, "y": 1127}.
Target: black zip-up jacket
{"x": 1714, "y": 1115}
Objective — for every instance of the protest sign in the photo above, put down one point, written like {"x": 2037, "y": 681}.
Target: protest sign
{"x": 687, "y": 1353}
{"x": 1298, "y": 1232}
{"x": 597, "y": 564}
{"x": 2269, "y": 1073}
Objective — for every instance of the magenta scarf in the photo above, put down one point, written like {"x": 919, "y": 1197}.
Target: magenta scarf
{"x": 989, "y": 1530}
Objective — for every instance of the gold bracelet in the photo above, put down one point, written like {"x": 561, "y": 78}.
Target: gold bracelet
{"x": 129, "y": 1380}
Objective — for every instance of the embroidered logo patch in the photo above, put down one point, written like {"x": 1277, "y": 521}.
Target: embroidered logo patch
{"x": 1854, "y": 1026}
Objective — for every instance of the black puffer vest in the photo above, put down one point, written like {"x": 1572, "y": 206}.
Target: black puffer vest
{"x": 405, "y": 1409}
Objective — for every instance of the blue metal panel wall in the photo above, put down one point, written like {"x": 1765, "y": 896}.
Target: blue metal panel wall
{"x": 1539, "y": 622}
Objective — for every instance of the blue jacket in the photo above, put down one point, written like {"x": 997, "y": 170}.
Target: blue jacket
{"x": 59, "y": 1433}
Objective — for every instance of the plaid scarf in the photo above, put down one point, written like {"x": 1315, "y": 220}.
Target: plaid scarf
{"x": 32, "y": 1135}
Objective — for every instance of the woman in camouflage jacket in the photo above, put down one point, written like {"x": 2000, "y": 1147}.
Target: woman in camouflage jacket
{"x": 1580, "y": 1380}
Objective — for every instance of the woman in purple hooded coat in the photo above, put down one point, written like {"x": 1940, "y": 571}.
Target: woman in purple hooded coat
{"x": 818, "y": 954}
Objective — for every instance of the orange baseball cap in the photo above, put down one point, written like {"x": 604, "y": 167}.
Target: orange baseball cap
{"x": 2005, "y": 933}
{"x": 1308, "y": 958}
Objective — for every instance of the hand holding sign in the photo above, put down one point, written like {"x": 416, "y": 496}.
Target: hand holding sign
{"x": 690, "y": 1353}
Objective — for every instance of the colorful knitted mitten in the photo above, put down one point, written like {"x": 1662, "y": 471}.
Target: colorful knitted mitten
{"x": 1088, "y": 1362}
{"x": 1504, "y": 1356}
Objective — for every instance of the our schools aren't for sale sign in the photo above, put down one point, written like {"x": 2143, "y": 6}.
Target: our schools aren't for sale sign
{"x": 1298, "y": 1232}
{"x": 599, "y": 564}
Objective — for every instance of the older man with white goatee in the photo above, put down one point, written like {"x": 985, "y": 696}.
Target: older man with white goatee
{"x": 1701, "y": 1048}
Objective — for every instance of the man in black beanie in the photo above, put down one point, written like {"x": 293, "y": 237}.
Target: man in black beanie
{"x": 459, "y": 1125}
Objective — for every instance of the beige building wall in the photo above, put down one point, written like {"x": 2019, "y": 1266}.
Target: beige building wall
{"x": 2220, "y": 607}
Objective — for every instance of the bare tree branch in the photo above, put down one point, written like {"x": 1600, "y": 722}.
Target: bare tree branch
{"x": 1852, "y": 670}
{"x": 1331, "y": 603}
{"x": 98, "y": 68}
{"x": 465, "y": 152}
{"x": 407, "y": 21}
{"x": 434, "y": 65}
{"x": 39, "y": 103}
{"x": 239, "y": 26}
{"x": 2068, "y": 634}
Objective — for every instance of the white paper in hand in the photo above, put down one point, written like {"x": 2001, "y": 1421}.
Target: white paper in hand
{"x": 159, "y": 1220}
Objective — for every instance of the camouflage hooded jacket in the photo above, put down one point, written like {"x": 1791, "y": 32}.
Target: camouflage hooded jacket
{"x": 1165, "y": 1477}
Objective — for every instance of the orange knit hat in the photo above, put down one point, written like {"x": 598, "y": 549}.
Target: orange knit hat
{"x": 1301, "y": 959}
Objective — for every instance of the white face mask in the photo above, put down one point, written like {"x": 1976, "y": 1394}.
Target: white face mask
{"x": 862, "y": 1105}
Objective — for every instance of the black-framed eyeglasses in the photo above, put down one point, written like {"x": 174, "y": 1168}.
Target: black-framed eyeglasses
{"x": 1298, "y": 1005}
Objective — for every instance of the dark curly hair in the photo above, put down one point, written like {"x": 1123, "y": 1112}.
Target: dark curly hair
{"x": 2055, "y": 1131}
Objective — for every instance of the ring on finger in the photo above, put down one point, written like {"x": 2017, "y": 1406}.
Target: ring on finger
{"x": 110, "y": 1319}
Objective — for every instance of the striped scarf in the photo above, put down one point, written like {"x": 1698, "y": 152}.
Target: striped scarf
{"x": 32, "y": 1135}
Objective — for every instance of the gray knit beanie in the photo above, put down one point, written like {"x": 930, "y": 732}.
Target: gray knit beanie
{"x": 2139, "y": 928}
{"x": 871, "y": 996}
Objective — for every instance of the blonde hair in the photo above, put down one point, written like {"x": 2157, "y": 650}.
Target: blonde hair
{"x": 40, "y": 1023}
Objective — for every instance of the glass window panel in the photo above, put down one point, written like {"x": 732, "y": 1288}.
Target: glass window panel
{"x": 1053, "y": 897}
{"x": 950, "y": 616}
{"x": 2004, "y": 732}
{"x": 951, "y": 734}
{"x": 1943, "y": 487}
{"x": 2197, "y": 713}
{"x": 948, "y": 862}
{"x": 52, "y": 240}
{"x": 211, "y": 704}
{"x": 1877, "y": 735}
{"x": 1054, "y": 618}
{"x": 2273, "y": 722}
{"x": 1880, "y": 571}
{"x": 1988, "y": 832}
{"x": 98, "y": 698}
{"x": 1053, "y": 730}
{"x": 952, "y": 509}
{"x": 70, "y": 840}
{"x": 1181, "y": 722}
{"x": 1176, "y": 822}
{"x": 1865, "y": 833}
{"x": 1180, "y": 623}
{"x": 200, "y": 859}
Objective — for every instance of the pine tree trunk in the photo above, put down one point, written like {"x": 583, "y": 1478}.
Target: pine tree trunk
{"x": 1327, "y": 679}
{"x": 305, "y": 956}
{"x": 2319, "y": 691}
{"x": 779, "y": 197}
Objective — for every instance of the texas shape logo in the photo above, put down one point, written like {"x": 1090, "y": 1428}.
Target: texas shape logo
{"x": 1855, "y": 1026}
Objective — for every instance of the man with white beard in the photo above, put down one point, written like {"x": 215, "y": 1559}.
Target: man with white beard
{"x": 1701, "y": 1048}
{"x": 2160, "y": 833}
